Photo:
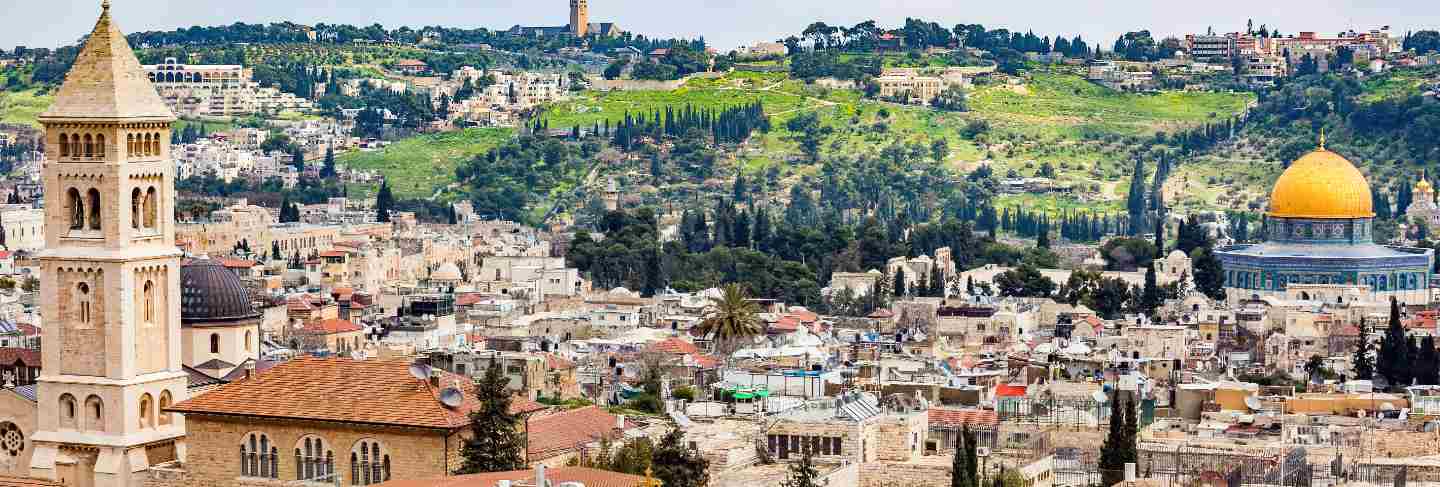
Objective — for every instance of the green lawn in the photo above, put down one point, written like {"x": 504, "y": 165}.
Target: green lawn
{"x": 740, "y": 88}
{"x": 418, "y": 166}
{"x": 1053, "y": 103}
{"x": 22, "y": 106}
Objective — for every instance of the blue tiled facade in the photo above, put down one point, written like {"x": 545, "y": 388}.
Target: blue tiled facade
{"x": 1323, "y": 251}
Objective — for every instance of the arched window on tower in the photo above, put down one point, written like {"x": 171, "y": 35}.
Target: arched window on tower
{"x": 165, "y": 401}
{"x": 135, "y": 205}
{"x": 64, "y": 145}
{"x": 314, "y": 460}
{"x": 214, "y": 343}
{"x": 82, "y": 305}
{"x": 94, "y": 414}
{"x": 129, "y": 145}
{"x": 94, "y": 201}
{"x": 149, "y": 301}
{"x": 147, "y": 406}
{"x": 75, "y": 207}
{"x": 68, "y": 409}
{"x": 100, "y": 146}
{"x": 89, "y": 146}
{"x": 152, "y": 202}
{"x": 158, "y": 141}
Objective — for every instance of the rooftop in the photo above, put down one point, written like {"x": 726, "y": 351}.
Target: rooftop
{"x": 342, "y": 390}
{"x": 589, "y": 477}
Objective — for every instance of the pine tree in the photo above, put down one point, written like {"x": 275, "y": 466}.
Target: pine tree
{"x": 1150, "y": 297}
{"x": 496, "y": 444}
{"x": 802, "y": 473}
{"x": 1392, "y": 362}
{"x": 383, "y": 202}
{"x": 327, "y": 171}
{"x": 677, "y": 465}
{"x": 1360, "y": 361}
{"x": 654, "y": 280}
{"x": 1043, "y": 240}
{"x": 900, "y": 282}
{"x": 963, "y": 468}
{"x": 1426, "y": 363}
{"x": 1119, "y": 446}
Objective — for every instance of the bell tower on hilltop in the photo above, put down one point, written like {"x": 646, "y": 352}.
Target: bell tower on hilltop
{"x": 109, "y": 275}
{"x": 579, "y": 17}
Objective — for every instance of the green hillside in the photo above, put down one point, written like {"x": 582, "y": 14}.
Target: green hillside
{"x": 419, "y": 166}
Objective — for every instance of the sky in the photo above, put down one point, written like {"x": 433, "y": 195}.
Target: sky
{"x": 727, "y": 24}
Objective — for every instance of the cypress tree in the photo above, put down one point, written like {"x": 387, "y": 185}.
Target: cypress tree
{"x": 1392, "y": 362}
{"x": 496, "y": 444}
{"x": 899, "y": 282}
{"x": 963, "y": 467}
{"x": 1361, "y": 363}
{"x": 1425, "y": 363}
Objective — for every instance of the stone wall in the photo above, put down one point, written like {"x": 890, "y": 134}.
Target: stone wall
{"x": 213, "y": 451}
{"x": 899, "y": 438}
{"x": 892, "y": 474}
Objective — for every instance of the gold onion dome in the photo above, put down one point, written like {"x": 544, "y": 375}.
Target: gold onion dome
{"x": 1322, "y": 184}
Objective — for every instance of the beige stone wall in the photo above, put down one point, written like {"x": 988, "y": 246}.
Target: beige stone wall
{"x": 900, "y": 438}
{"x": 214, "y": 444}
{"x": 23, "y": 415}
{"x": 889, "y": 474}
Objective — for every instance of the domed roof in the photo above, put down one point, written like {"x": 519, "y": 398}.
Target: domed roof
{"x": 1322, "y": 184}
{"x": 447, "y": 272}
{"x": 210, "y": 293}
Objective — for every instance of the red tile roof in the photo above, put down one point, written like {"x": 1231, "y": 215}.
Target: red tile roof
{"x": 556, "y": 362}
{"x": 380, "y": 392}
{"x": 469, "y": 299}
{"x": 563, "y": 432}
{"x": 955, "y": 418}
{"x": 28, "y": 329}
{"x": 673, "y": 345}
{"x": 786, "y": 324}
{"x": 332, "y": 326}
{"x": 236, "y": 263}
{"x": 804, "y": 316}
{"x": 589, "y": 477}
{"x": 1005, "y": 390}
{"x": 334, "y": 253}
{"x": 10, "y": 355}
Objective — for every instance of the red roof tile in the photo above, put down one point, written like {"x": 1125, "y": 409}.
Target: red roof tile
{"x": 955, "y": 418}
{"x": 673, "y": 345}
{"x": 785, "y": 324}
{"x": 567, "y": 431}
{"x": 588, "y": 477}
{"x": 469, "y": 299}
{"x": 334, "y": 253}
{"x": 378, "y": 392}
{"x": 28, "y": 329}
{"x": 19, "y": 482}
{"x": 556, "y": 362}
{"x": 1005, "y": 390}
{"x": 236, "y": 263}
{"x": 332, "y": 326}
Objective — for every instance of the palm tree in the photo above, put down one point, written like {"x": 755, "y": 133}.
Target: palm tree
{"x": 730, "y": 320}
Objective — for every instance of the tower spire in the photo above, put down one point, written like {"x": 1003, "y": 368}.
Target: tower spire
{"x": 1322, "y": 138}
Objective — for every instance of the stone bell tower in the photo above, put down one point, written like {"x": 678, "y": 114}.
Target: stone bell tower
{"x": 579, "y": 18}
{"x": 109, "y": 275}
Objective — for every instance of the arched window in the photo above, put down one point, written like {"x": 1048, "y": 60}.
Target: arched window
{"x": 147, "y": 413}
{"x": 89, "y": 146}
{"x": 151, "y": 202}
{"x": 259, "y": 457}
{"x": 68, "y": 411}
{"x": 369, "y": 463}
{"x": 94, "y": 201}
{"x": 135, "y": 205}
{"x": 76, "y": 208}
{"x": 157, "y": 142}
{"x": 249, "y": 336}
{"x": 129, "y": 145}
{"x": 64, "y": 145}
{"x": 214, "y": 343}
{"x": 144, "y": 149}
{"x": 100, "y": 145}
{"x": 149, "y": 301}
{"x": 165, "y": 401}
{"x": 94, "y": 414}
{"x": 82, "y": 305}
{"x": 314, "y": 460}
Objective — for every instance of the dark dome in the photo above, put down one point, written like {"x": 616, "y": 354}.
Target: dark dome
{"x": 211, "y": 294}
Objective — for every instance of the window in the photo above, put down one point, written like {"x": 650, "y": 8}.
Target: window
{"x": 150, "y": 204}
{"x": 314, "y": 460}
{"x": 165, "y": 401}
{"x": 82, "y": 308}
{"x": 64, "y": 145}
{"x": 75, "y": 208}
{"x": 129, "y": 145}
{"x": 93, "y": 198}
{"x": 89, "y": 146}
{"x": 369, "y": 465}
{"x": 135, "y": 204}
{"x": 95, "y": 411}
{"x": 100, "y": 146}
{"x": 146, "y": 411}
{"x": 258, "y": 457}
{"x": 149, "y": 301}
{"x": 215, "y": 343}
{"x": 249, "y": 336}
{"x": 12, "y": 441}
{"x": 67, "y": 411}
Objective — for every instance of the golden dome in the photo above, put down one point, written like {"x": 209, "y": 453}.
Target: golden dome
{"x": 1322, "y": 184}
{"x": 1423, "y": 185}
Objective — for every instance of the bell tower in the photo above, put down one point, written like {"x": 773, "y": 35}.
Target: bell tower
{"x": 579, "y": 18}
{"x": 109, "y": 275}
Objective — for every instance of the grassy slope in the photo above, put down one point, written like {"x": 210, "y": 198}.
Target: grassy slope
{"x": 22, "y": 106}
{"x": 1062, "y": 103}
{"x": 587, "y": 108}
{"x": 418, "y": 166}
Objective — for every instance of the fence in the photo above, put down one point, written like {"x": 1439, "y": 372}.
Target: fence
{"x": 1190, "y": 466}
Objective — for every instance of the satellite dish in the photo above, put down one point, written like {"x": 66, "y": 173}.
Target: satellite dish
{"x": 1385, "y": 406}
{"x": 420, "y": 371}
{"x": 982, "y": 452}
{"x": 451, "y": 397}
{"x": 1252, "y": 402}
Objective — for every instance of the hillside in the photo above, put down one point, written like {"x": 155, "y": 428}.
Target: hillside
{"x": 419, "y": 166}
